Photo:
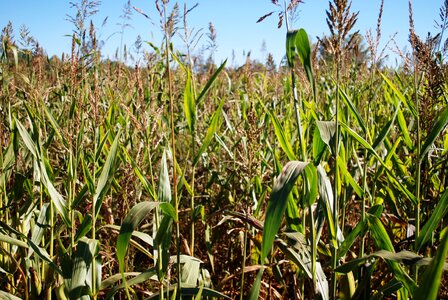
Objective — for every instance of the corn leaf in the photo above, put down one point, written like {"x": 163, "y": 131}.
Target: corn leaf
{"x": 430, "y": 284}
{"x": 130, "y": 223}
{"x": 255, "y": 290}
{"x": 210, "y": 82}
{"x": 383, "y": 242}
{"x": 79, "y": 285}
{"x": 277, "y": 203}
{"x": 281, "y": 137}
{"x": 210, "y": 132}
{"x": 433, "y": 222}
{"x": 105, "y": 177}
{"x": 189, "y": 103}
{"x": 436, "y": 129}
{"x": 39, "y": 228}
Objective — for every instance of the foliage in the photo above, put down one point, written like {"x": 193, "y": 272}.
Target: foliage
{"x": 155, "y": 181}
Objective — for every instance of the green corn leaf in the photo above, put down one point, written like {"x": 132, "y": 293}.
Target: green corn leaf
{"x": 214, "y": 123}
{"x": 353, "y": 110}
{"x": 105, "y": 177}
{"x": 168, "y": 209}
{"x": 210, "y": 82}
{"x": 299, "y": 253}
{"x": 359, "y": 231}
{"x": 88, "y": 177}
{"x": 39, "y": 228}
{"x": 404, "y": 129}
{"x": 347, "y": 176}
{"x": 403, "y": 257}
{"x": 255, "y": 290}
{"x": 43, "y": 254}
{"x": 319, "y": 146}
{"x": 12, "y": 241}
{"x": 130, "y": 223}
{"x": 139, "y": 278}
{"x": 281, "y": 137}
{"x": 80, "y": 196}
{"x": 56, "y": 197}
{"x": 141, "y": 235}
{"x": 325, "y": 206}
{"x": 327, "y": 132}
{"x": 190, "y": 270}
{"x": 436, "y": 129}
{"x": 164, "y": 191}
{"x": 189, "y": 103}
{"x": 163, "y": 239}
{"x": 383, "y": 242}
{"x": 79, "y": 285}
{"x": 403, "y": 99}
{"x": 391, "y": 176}
{"x": 430, "y": 284}
{"x": 145, "y": 183}
{"x": 29, "y": 143}
{"x": 434, "y": 220}
{"x": 54, "y": 125}
{"x": 277, "y": 203}
{"x": 84, "y": 228}
{"x": 385, "y": 131}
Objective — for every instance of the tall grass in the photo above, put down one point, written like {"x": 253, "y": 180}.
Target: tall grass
{"x": 322, "y": 178}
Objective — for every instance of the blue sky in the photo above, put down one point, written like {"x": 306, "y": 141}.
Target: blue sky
{"x": 234, "y": 21}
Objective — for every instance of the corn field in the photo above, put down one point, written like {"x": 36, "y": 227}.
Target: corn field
{"x": 322, "y": 178}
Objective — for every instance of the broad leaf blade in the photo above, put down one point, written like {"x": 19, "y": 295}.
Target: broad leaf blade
{"x": 277, "y": 203}
{"x": 189, "y": 103}
{"x": 433, "y": 222}
{"x": 130, "y": 223}
{"x": 105, "y": 177}
{"x": 437, "y": 128}
{"x": 429, "y": 287}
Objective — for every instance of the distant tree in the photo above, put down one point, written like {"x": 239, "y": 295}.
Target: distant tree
{"x": 270, "y": 63}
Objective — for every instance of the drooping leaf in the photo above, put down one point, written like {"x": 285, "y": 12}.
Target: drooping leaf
{"x": 130, "y": 223}
{"x": 382, "y": 241}
{"x": 12, "y": 241}
{"x": 79, "y": 285}
{"x": 138, "y": 278}
{"x": 7, "y": 296}
{"x": 283, "y": 185}
{"x": 39, "y": 228}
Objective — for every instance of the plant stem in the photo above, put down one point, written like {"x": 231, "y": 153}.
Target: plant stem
{"x": 336, "y": 177}
{"x": 419, "y": 164}
{"x": 173, "y": 146}
{"x": 95, "y": 145}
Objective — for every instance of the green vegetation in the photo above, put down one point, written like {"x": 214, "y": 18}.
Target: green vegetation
{"x": 323, "y": 178}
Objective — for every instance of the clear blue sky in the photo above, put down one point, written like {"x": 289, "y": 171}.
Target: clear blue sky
{"x": 235, "y": 23}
